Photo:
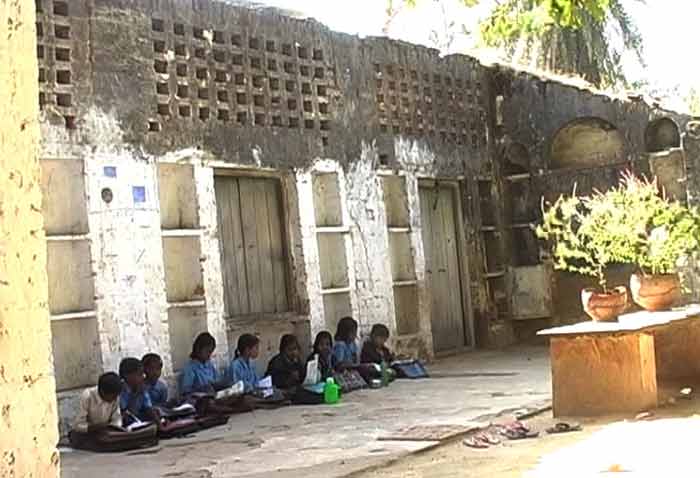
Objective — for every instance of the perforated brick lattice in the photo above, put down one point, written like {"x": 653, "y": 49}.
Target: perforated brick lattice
{"x": 434, "y": 104}
{"x": 55, "y": 55}
{"x": 211, "y": 75}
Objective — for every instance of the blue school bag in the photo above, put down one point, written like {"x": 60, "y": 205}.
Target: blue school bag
{"x": 409, "y": 369}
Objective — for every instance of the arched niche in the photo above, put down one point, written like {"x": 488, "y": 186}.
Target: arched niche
{"x": 586, "y": 143}
{"x": 661, "y": 135}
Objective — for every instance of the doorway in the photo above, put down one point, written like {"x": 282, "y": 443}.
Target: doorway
{"x": 445, "y": 265}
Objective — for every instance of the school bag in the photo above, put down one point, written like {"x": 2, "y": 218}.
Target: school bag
{"x": 349, "y": 380}
{"x": 409, "y": 369}
{"x": 178, "y": 428}
{"x": 116, "y": 440}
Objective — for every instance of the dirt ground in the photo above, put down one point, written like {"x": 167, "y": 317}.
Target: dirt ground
{"x": 663, "y": 445}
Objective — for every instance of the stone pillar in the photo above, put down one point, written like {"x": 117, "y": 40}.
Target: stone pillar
{"x": 211, "y": 261}
{"x": 690, "y": 273}
{"x": 691, "y": 147}
{"x": 27, "y": 387}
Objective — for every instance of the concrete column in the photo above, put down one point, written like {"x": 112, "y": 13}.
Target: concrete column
{"x": 370, "y": 244}
{"x": 27, "y": 387}
{"x": 127, "y": 252}
{"x": 309, "y": 246}
{"x": 691, "y": 147}
{"x": 211, "y": 260}
{"x": 690, "y": 273}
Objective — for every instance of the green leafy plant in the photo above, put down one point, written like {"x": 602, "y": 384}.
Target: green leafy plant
{"x": 662, "y": 232}
{"x": 629, "y": 224}
{"x": 585, "y": 234}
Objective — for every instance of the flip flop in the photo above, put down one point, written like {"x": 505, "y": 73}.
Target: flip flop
{"x": 518, "y": 434}
{"x": 475, "y": 442}
{"x": 490, "y": 439}
{"x": 520, "y": 425}
{"x": 563, "y": 427}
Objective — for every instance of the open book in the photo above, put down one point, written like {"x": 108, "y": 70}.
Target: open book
{"x": 265, "y": 387}
{"x": 185, "y": 407}
{"x": 235, "y": 389}
{"x": 138, "y": 425}
{"x": 180, "y": 411}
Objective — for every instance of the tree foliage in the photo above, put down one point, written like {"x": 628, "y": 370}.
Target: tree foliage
{"x": 692, "y": 101}
{"x": 585, "y": 38}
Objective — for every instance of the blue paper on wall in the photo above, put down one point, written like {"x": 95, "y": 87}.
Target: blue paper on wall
{"x": 139, "y": 194}
{"x": 110, "y": 171}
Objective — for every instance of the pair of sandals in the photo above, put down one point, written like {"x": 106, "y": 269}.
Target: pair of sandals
{"x": 481, "y": 440}
{"x": 563, "y": 427}
{"x": 517, "y": 431}
{"x": 512, "y": 431}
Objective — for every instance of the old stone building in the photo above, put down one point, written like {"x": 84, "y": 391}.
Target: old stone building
{"x": 213, "y": 167}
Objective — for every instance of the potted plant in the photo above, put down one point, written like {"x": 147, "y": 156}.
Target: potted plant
{"x": 665, "y": 232}
{"x": 586, "y": 237}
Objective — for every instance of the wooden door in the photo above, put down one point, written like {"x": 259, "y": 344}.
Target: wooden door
{"x": 443, "y": 271}
{"x": 251, "y": 240}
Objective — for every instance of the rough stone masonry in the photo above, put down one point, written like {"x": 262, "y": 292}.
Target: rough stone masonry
{"x": 215, "y": 167}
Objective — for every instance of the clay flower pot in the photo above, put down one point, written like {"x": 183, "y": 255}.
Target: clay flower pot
{"x": 604, "y": 307}
{"x": 655, "y": 291}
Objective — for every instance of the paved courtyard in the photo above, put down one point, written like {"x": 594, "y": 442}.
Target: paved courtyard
{"x": 336, "y": 440}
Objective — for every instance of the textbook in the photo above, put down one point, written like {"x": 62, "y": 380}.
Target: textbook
{"x": 236, "y": 389}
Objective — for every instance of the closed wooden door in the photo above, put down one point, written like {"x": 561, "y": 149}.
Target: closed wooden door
{"x": 443, "y": 274}
{"x": 251, "y": 240}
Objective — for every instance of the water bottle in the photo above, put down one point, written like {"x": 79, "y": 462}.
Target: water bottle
{"x": 385, "y": 374}
{"x": 331, "y": 391}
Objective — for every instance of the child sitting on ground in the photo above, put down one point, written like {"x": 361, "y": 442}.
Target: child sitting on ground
{"x": 98, "y": 426}
{"x": 374, "y": 349}
{"x": 323, "y": 346}
{"x": 174, "y": 421}
{"x": 345, "y": 354}
{"x": 156, "y": 389}
{"x": 287, "y": 372}
{"x": 285, "y": 368}
{"x": 242, "y": 368}
{"x": 134, "y": 401}
{"x": 376, "y": 352}
{"x": 200, "y": 381}
{"x": 346, "y": 360}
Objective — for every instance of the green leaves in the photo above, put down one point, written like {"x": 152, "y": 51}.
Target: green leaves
{"x": 514, "y": 18}
{"x": 631, "y": 224}
{"x": 565, "y": 36}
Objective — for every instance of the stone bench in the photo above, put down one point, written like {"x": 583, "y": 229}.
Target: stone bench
{"x": 600, "y": 368}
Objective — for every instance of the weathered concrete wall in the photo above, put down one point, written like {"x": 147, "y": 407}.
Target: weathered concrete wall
{"x": 548, "y": 122}
{"x": 27, "y": 387}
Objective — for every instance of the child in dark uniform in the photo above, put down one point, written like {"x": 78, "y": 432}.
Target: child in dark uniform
{"x": 375, "y": 350}
{"x": 287, "y": 372}
{"x": 323, "y": 349}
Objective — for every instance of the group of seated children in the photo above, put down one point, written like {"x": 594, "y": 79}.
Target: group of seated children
{"x": 132, "y": 409}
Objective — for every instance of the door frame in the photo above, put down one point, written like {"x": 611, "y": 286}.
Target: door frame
{"x": 455, "y": 184}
